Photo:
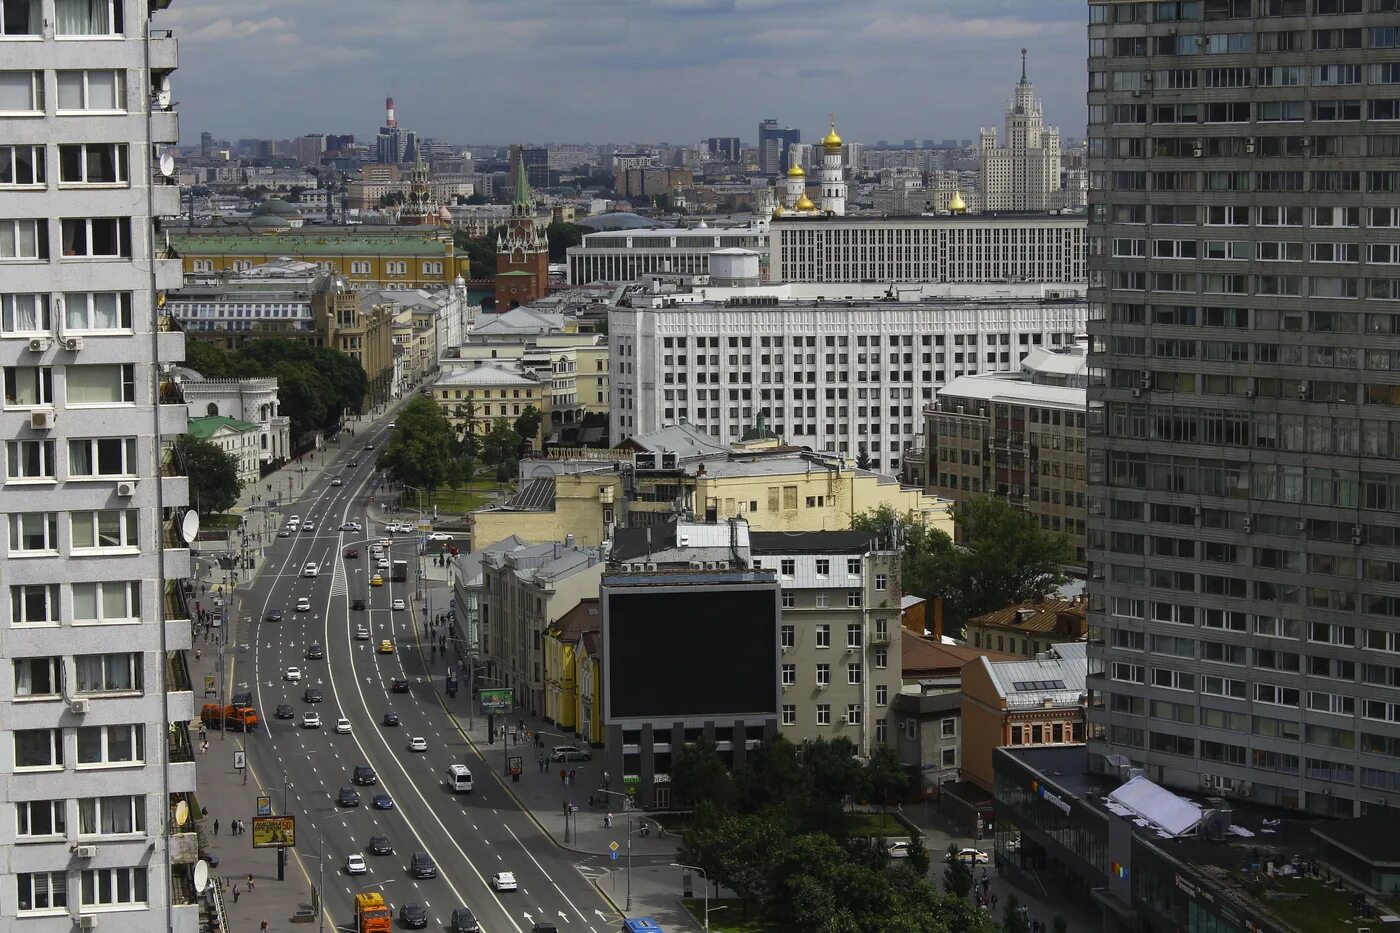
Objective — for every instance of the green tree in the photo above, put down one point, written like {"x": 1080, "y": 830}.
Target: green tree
{"x": 833, "y": 774}
{"x": 886, "y": 775}
{"x": 501, "y": 448}
{"x": 212, "y": 474}
{"x": 957, "y": 877}
{"x": 862, "y": 458}
{"x": 699, "y": 775}
{"x": 481, "y": 251}
{"x": 919, "y": 861}
{"x": 1012, "y": 920}
{"x": 771, "y": 776}
{"x": 527, "y": 426}
{"x": 1007, "y": 556}
{"x": 561, "y": 236}
{"x": 422, "y": 450}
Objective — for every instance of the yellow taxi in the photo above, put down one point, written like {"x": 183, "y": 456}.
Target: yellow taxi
{"x": 386, "y": 647}
{"x": 376, "y": 580}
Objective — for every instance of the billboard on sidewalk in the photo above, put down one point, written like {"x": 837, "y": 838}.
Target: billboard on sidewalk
{"x": 498, "y": 699}
{"x": 269, "y": 832}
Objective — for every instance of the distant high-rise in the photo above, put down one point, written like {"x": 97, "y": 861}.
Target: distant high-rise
{"x": 724, "y": 148}
{"x": 394, "y": 144}
{"x": 206, "y": 144}
{"x": 1024, "y": 173}
{"x": 774, "y": 142}
{"x": 1244, "y": 401}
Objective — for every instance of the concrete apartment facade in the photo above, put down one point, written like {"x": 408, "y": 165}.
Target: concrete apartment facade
{"x": 1244, "y": 415}
{"x": 95, "y": 694}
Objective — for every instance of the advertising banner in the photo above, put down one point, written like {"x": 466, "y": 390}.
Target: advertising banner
{"x": 269, "y": 832}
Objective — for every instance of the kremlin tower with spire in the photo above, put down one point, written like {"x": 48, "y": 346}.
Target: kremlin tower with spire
{"x": 522, "y": 254}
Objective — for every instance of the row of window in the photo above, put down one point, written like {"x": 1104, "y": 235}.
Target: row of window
{"x": 822, "y": 634}
{"x": 1248, "y": 250}
{"x": 1243, "y": 215}
{"x": 47, "y": 891}
{"x": 99, "y": 384}
{"x": 29, "y": 313}
{"x": 1179, "y": 11}
{"x": 854, "y": 672}
{"x": 78, "y": 164}
{"x": 22, "y": 93}
{"x": 46, "y": 677}
{"x": 34, "y": 533}
{"x": 1282, "y": 286}
{"x": 27, "y": 239}
{"x": 853, "y": 716}
{"x": 88, "y": 458}
{"x": 1237, "y": 43}
{"x": 91, "y": 746}
{"x": 86, "y": 19}
{"x": 1177, "y": 79}
{"x": 44, "y": 820}
{"x": 98, "y": 603}
{"x": 1246, "y": 181}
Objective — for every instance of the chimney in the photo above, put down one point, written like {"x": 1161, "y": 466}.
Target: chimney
{"x": 389, "y": 113}
{"x": 938, "y": 619}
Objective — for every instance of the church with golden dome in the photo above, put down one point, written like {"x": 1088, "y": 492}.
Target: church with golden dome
{"x": 794, "y": 200}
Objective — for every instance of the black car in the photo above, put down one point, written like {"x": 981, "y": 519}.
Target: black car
{"x": 383, "y": 802}
{"x": 364, "y": 774}
{"x": 421, "y": 865}
{"x": 464, "y": 921}
{"x": 400, "y": 685}
{"x": 273, "y": 615}
{"x": 391, "y": 719}
{"x": 285, "y": 711}
{"x": 354, "y": 463}
{"x": 357, "y": 603}
{"x": 380, "y": 845}
{"x": 352, "y": 553}
{"x": 413, "y": 916}
{"x": 313, "y": 695}
{"x": 242, "y": 698}
{"x": 348, "y": 797}
{"x": 544, "y": 926}
{"x": 314, "y": 651}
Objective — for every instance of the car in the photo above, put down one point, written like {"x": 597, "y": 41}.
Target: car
{"x": 350, "y": 526}
{"x": 352, "y": 553}
{"x": 380, "y": 845}
{"x": 440, "y": 537}
{"x": 273, "y": 615}
{"x": 897, "y": 850}
{"x": 364, "y": 774}
{"x": 312, "y": 695}
{"x": 337, "y": 482}
{"x": 570, "y": 753}
{"x": 421, "y": 865}
{"x": 361, "y": 633}
{"x": 354, "y": 463}
{"x": 544, "y": 926}
{"x": 342, "y": 726}
{"x": 308, "y": 525}
{"x": 399, "y": 604}
{"x": 242, "y": 698}
{"x": 285, "y": 711}
{"x": 348, "y": 797}
{"x": 355, "y": 864}
{"x": 357, "y": 604}
{"x": 386, "y": 646}
{"x": 503, "y": 881}
{"x": 284, "y": 532}
{"x": 393, "y": 424}
{"x": 376, "y": 580}
{"x": 292, "y": 673}
{"x": 975, "y": 856}
{"x": 294, "y": 520}
{"x": 311, "y": 569}
{"x": 463, "y": 921}
{"x": 311, "y": 720}
{"x": 314, "y": 651}
{"x": 382, "y": 563}
{"x": 369, "y": 447}
{"x": 413, "y": 916}
{"x": 383, "y": 802}
{"x": 303, "y": 604}
{"x": 398, "y": 685}
{"x": 391, "y": 719}
{"x": 418, "y": 744}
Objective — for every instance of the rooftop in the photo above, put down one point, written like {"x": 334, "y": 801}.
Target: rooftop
{"x": 683, "y": 439}
{"x": 1054, "y": 676}
{"x": 683, "y": 542}
{"x": 483, "y": 374}
{"x": 922, "y": 656}
{"x": 1005, "y": 218}
{"x": 209, "y": 425}
{"x": 285, "y": 243}
{"x": 1012, "y": 388}
{"x": 1038, "y": 616}
{"x": 585, "y": 617}
{"x": 811, "y": 542}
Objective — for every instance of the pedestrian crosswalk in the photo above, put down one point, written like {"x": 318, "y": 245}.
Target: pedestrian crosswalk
{"x": 340, "y": 586}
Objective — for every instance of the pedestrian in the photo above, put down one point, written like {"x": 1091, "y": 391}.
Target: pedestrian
{"x": 216, "y": 827}
{"x": 563, "y": 776}
{"x": 263, "y": 927}
{"x": 607, "y": 821}
{"x": 590, "y": 801}
{"x": 250, "y": 881}
{"x": 994, "y": 902}
{"x": 236, "y": 892}
{"x": 572, "y": 774}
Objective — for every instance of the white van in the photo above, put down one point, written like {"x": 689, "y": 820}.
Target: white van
{"x": 459, "y": 778}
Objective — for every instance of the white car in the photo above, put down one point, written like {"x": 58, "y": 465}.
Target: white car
{"x": 350, "y": 526}
{"x": 303, "y": 604}
{"x": 383, "y": 563}
{"x": 503, "y": 881}
{"x": 311, "y": 720}
{"x": 311, "y": 569}
{"x": 294, "y": 520}
{"x": 342, "y": 726}
{"x": 361, "y": 633}
{"x": 418, "y": 744}
{"x": 355, "y": 865}
{"x": 440, "y": 536}
{"x": 975, "y": 856}
{"x": 309, "y": 525}
{"x": 400, "y": 604}
{"x": 293, "y": 673}
{"x": 898, "y": 850}
{"x": 337, "y": 482}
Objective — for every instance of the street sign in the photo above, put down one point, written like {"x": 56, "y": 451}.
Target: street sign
{"x": 269, "y": 832}
{"x": 240, "y": 760}
{"x": 264, "y": 806}
{"x": 613, "y": 854}
{"x": 211, "y": 686}
{"x": 517, "y": 765}
{"x": 613, "y": 845}
{"x": 498, "y": 699}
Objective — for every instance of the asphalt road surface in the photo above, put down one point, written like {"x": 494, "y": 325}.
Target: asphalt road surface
{"x": 469, "y": 836}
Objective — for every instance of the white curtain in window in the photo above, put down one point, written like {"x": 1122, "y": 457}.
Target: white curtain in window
{"x": 94, "y": 385}
{"x": 24, "y": 678}
{"x": 19, "y": 239}
{"x": 84, "y": 17}
{"x": 106, "y": 311}
{"x": 16, "y": 90}
{"x": 88, "y": 670}
{"x": 103, "y": 90}
{"x": 85, "y": 601}
{"x": 21, "y": 312}
{"x": 114, "y": 601}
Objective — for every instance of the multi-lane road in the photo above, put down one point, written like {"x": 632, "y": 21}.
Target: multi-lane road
{"x": 469, "y": 836}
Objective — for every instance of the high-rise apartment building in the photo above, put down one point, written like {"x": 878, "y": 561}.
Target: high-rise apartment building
{"x": 96, "y": 763}
{"x": 1023, "y": 174}
{"x": 1244, "y": 399}
{"x": 774, "y": 145}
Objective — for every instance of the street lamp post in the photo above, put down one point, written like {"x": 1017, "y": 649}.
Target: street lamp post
{"x": 707, "y": 889}
{"x": 321, "y": 871}
{"x": 626, "y": 808}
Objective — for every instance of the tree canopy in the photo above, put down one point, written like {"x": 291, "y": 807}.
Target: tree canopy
{"x": 561, "y": 237}
{"x": 481, "y": 250}
{"x": 212, "y": 473}
{"x": 423, "y": 450}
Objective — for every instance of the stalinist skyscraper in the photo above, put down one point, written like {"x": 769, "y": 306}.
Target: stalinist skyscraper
{"x": 1024, "y": 173}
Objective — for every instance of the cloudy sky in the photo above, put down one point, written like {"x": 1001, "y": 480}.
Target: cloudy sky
{"x": 500, "y": 71}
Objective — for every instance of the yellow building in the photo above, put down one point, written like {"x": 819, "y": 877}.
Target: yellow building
{"x": 588, "y": 662}
{"x": 573, "y": 367}
{"x": 555, "y": 500}
{"x": 562, "y": 646}
{"x": 485, "y": 392}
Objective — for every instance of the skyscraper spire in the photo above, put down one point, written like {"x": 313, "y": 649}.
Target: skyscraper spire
{"x": 1023, "y": 67}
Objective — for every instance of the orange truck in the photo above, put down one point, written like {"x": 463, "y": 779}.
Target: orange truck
{"x": 374, "y": 915}
{"x": 241, "y": 718}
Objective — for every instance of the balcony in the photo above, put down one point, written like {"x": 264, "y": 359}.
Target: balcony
{"x": 184, "y": 839}
{"x": 179, "y": 747}
{"x": 880, "y": 638}
{"x": 165, "y": 50}
{"x": 177, "y": 606}
{"x": 165, "y": 128}
{"x": 170, "y": 393}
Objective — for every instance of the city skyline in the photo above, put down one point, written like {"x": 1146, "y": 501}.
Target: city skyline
{"x": 693, "y": 65}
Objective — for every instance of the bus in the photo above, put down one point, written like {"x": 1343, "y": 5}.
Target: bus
{"x": 641, "y": 925}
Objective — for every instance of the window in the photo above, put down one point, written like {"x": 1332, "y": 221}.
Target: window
{"x": 823, "y": 714}
{"x": 21, "y": 92}
{"x": 38, "y": 748}
{"x": 96, "y": 237}
{"x": 823, "y": 674}
{"x": 111, "y": 816}
{"x": 882, "y": 730}
{"x": 107, "y": 602}
{"x": 106, "y": 745}
{"x": 789, "y": 599}
{"x": 92, "y": 457}
{"x": 21, "y": 166}
{"x": 853, "y": 632}
{"x": 24, "y": 239}
{"x": 853, "y": 599}
{"x": 25, "y": 313}
{"x": 1279, "y": 696}
{"x": 788, "y": 566}
{"x": 853, "y": 714}
{"x": 789, "y": 675}
{"x": 882, "y": 694}
{"x": 110, "y": 528}
{"x": 882, "y": 658}
{"x": 38, "y": 677}
{"x": 853, "y": 566}
{"x": 108, "y": 673}
{"x": 33, "y": 532}
{"x": 41, "y": 818}
{"x": 788, "y": 634}
{"x": 107, "y": 384}
{"x": 823, "y": 600}
{"x": 29, "y": 460}
{"x": 42, "y": 891}
{"x": 88, "y": 18}
{"x": 789, "y": 714}
{"x": 103, "y": 90}
{"x": 93, "y": 164}
{"x": 823, "y": 566}
{"x": 853, "y": 673}
{"x": 881, "y": 581}
{"x": 823, "y": 634}
{"x": 20, "y": 18}
{"x": 110, "y": 886}
{"x": 34, "y": 604}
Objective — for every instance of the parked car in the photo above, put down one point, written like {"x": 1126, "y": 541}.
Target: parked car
{"x": 440, "y": 537}
{"x": 570, "y": 753}
{"x": 974, "y": 856}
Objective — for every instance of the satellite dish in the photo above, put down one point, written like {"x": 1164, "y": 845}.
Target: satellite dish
{"x": 189, "y": 528}
{"x": 201, "y": 876}
{"x": 163, "y": 94}
{"x": 182, "y": 813}
{"x": 167, "y": 165}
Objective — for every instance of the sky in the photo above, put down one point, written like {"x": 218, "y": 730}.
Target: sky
{"x": 601, "y": 71}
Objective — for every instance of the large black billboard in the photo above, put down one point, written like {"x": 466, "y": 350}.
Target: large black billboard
{"x": 689, "y": 654}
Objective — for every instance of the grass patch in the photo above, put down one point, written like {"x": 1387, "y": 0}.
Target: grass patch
{"x": 676, "y": 823}
{"x": 219, "y": 521}
{"x": 864, "y": 823}
{"x": 451, "y": 500}
{"x": 729, "y": 920}
{"x": 1310, "y": 905}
